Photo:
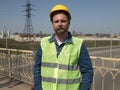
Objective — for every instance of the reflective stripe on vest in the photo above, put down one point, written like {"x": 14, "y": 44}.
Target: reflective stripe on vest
{"x": 61, "y": 66}
{"x": 62, "y": 72}
{"x": 61, "y": 81}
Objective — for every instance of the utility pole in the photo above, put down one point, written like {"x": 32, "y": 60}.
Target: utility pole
{"x": 28, "y": 28}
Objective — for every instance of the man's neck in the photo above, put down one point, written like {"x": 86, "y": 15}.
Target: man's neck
{"x": 61, "y": 38}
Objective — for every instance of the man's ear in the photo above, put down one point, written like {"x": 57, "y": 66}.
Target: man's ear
{"x": 69, "y": 22}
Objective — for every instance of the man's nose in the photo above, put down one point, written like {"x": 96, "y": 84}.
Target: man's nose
{"x": 59, "y": 23}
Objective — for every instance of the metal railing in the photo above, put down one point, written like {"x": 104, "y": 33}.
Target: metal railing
{"x": 18, "y": 64}
{"x": 106, "y": 73}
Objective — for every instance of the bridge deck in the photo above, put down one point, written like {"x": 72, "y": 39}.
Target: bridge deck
{"x": 7, "y": 84}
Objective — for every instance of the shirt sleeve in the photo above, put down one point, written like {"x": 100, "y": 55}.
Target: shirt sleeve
{"x": 85, "y": 68}
{"x": 37, "y": 70}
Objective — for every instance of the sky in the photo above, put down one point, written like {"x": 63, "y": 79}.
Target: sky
{"x": 88, "y": 16}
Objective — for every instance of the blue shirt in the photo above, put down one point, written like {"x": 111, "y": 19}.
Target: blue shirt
{"x": 84, "y": 64}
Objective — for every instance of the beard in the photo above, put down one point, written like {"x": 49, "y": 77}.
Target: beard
{"x": 61, "y": 31}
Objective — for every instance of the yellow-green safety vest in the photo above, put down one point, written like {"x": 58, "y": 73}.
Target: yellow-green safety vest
{"x": 62, "y": 72}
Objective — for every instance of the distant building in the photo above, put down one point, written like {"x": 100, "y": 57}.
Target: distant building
{"x": 1, "y": 34}
{"x": 4, "y": 34}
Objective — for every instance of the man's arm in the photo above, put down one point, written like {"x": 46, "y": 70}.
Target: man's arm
{"x": 37, "y": 70}
{"x": 85, "y": 68}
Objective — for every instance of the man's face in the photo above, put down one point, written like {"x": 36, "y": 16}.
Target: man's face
{"x": 60, "y": 23}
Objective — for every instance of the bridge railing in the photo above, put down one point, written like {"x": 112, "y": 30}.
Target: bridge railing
{"x": 106, "y": 73}
{"x": 18, "y": 64}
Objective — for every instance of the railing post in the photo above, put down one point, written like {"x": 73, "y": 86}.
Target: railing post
{"x": 113, "y": 83}
{"x": 10, "y": 63}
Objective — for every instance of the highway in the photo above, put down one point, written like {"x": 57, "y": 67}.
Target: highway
{"x": 112, "y": 52}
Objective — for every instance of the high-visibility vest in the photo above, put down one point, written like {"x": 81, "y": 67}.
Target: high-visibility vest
{"x": 62, "y": 72}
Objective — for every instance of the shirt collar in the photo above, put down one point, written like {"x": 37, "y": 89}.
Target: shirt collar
{"x": 68, "y": 40}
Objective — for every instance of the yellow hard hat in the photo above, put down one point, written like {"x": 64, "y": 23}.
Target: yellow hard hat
{"x": 59, "y": 7}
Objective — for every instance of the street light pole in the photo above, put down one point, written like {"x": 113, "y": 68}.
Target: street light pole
{"x": 111, "y": 47}
{"x": 95, "y": 41}
{"x": 118, "y": 39}
{"x": 6, "y": 35}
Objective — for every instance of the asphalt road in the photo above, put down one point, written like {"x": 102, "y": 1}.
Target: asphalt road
{"x": 112, "y": 52}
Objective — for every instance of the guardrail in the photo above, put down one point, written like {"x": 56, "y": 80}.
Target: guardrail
{"x": 18, "y": 64}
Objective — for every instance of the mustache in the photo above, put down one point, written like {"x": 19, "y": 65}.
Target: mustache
{"x": 61, "y": 28}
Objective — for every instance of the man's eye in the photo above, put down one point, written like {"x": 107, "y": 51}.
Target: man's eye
{"x": 56, "y": 21}
{"x": 63, "y": 21}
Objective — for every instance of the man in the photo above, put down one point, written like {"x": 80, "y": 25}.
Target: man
{"x": 62, "y": 61}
